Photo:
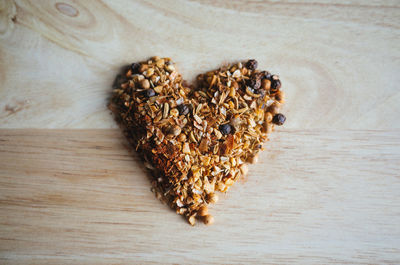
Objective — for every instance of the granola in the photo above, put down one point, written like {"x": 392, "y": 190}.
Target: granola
{"x": 196, "y": 140}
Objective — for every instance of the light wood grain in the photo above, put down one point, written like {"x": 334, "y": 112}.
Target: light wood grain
{"x": 79, "y": 196}
{"x": 339, "y": 62}
{"x": 326, "y": 191}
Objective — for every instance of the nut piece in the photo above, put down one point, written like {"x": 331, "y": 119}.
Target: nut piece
{"x": 267, "y": 127}
{"x": 174, "y": 112}
{"x": 203, "y": 211}
{"x": 192, "y": 220}
{"x": 145, "y": 84}
{"x": 143, "y": 68}
{"x": 237, "y": 73}
{"x": 266, "y": 84}
{"x": 158, "y": 89}
{"x": 280, "y": 96}
{"x": 268, "y": 117}
{"x": 203, "y": 147}
{"x": 170, "y": 68}
{"x": 186, "y": 148}
{"x": 212, "y": 198}
{"x": 218, "y": 134}
{"x": 176, "y": 130}
{"x": 149, "y": 72}
{"x": 274, "y": 108}
{"x": 160, "y": 63}
{"x": 208, "y": 219}
{"x": 232, "y": 92}
{"x": 253, "y": 159}
{"x": 166, "y": 110}
{"x": 182, "y": 137}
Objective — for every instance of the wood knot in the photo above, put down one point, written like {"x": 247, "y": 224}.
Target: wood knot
{"x": 67, "y": 9}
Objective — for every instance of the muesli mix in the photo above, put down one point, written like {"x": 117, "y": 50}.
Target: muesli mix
{"x": 196, "y": 140}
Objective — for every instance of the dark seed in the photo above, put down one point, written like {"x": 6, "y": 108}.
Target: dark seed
{"x": 250, "y": 82}
{"x": 120, "y": 79}
{"x": 279, "y": 119}
{"x": 135, "y": 68}
{"x": 266, "y": 75}
{"x": 149, "y": 93}
{"x": 183, "y": 109}
{"x": 275, "y": 83}
{"x": 260, "y": 91}
{"x": 251, "y": 64}
{"x": 225, "y": 129}
{"x": 254, "y": 83}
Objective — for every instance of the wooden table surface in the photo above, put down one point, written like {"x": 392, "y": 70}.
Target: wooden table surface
{"x": 326, "y": 190}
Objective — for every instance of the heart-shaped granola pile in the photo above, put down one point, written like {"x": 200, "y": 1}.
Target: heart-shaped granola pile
{"x": 196, "y": 140}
